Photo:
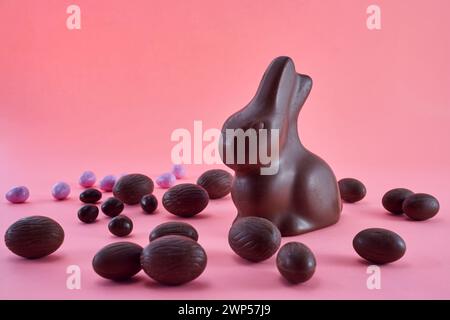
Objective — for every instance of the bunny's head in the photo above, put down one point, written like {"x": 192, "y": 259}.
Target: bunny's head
{"x": 271, "y": 115}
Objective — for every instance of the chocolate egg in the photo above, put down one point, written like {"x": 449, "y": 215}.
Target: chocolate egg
{"x": 173, "y": 260}
{"x": 393, "y": 200}
{"x": 174, "y": 228}
{"x": 112, "y": 207}
{"x": 185, "y": 200}
{"x": 379, "y": 245}
{"x": 118, "y": 261}
{"x": 131, "y": 188}
{"x": 120, "y": 226}
{"x": 90, "y": 196}
{"x": 34, "y": 237}
{"x": 296, "y": 262}
{"x": 149, "y": 203}
{"x": 254, "y": 238}
{"x": 88, "y": 213}
{"x": 421, "y": 206}
{"x": 216, "y": 182}
{"x": 351, "y": 190}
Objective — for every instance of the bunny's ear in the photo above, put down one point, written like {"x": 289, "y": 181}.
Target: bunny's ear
{"x": 277, "y": 84}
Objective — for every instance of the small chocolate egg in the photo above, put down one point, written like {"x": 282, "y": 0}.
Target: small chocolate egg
{"x": 351, "y": 190}
{"x": 149, "y": 203}
{"x": 120, "y": 226}
{"x": 296, "y": 262}
{"x": 421, "y": 206}
{"x": 112, "y": 207}
{"x": 88, "y": 213}
{"x": 393, "y": 200}
{"x": 90, "y": 196}
{"x": 379, "y": 245}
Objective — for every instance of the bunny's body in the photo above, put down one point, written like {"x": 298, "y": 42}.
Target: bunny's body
{"x": 303, "y": 194}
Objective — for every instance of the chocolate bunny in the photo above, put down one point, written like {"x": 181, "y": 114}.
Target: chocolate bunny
{"x": 301, "y": 194}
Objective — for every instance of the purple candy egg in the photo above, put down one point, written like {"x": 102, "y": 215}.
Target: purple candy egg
{"x": 17, "y": 194}
{"x": 166, "y": 180}
{"x": 60, "y": 190}
{"x": 87, "y": 179}
{"x": 179, "y": 171}
{"x": 107, "y": 183}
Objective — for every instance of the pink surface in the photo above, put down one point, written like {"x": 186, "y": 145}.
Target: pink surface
{"x": 108, "y": 96}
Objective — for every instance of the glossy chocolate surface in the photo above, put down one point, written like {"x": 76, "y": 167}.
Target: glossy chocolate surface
{"x": 296, "y": 262}
{"x": 216, "y": 182}
{"x": 393, "y": 200}
{"x": 118, "y": 261}
{"x": 34, "y": 237}
{"x": 421, "y": 206}
{"x": 120, "y": 226}
{"x": 303, "y": 195}
{"x": 379, "y": 246}
{"x": 254, "y": 239}
{"x": 173, "y": 260}
{"x": 185, "y": 200}
{"x": 149, "y": 203}
{"x": 174, "y": 228}
{"x": 132, "y": 187}
{"x": 88, "y": 213}
{"x": 90, "y": 196}
{"x": 352, "y": 190}
{"x": 112, "y": 207}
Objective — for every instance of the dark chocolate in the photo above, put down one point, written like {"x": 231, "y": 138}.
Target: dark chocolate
{"x": 296, "y": 262}
{"x": 112, "y": 207}
{"x": 174, "y": 228}
{"x": 393, "y": 200}
{"x": 216, "y": 182}
{"x": 185, "y": 200}
{"x": 149, "y": 203}
{"x": 351, "y": 190}
{"x": 132, "y": 187}
{"x": 420, "y": 206}
{"x": 254, "y": 238}
{"x": 34, "y": 237}
{"x": 379, "y": 245}
{"x": 88, "y": 213}
{"x": 303, "y": 194}
{"x": 118, "y": 261}
{"x": 173, "y": 260}
{"x": 90, "y": 196}
{"x": 120, "y": 226}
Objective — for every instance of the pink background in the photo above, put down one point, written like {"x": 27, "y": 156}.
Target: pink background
{"x": 108, "y": 96}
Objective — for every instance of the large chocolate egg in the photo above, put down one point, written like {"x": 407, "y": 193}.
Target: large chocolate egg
{"x": 118, "y": 261}
{"x": 173, "y": 260}
{"x": 254, "y": 238}
{"x": 132, "y": 187}
{"x": 34, "y": 237}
